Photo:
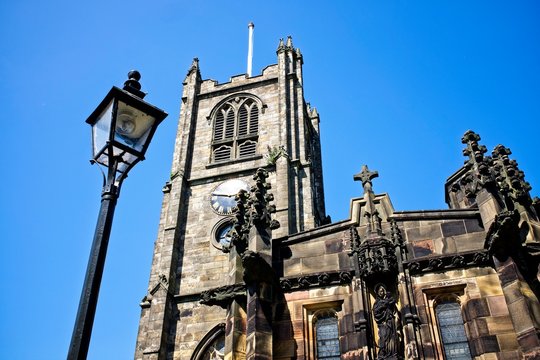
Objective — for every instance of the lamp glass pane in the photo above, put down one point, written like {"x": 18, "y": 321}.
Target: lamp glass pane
{"x": 126, "y": 159}
{"x": 132, "y": 126}
{"x": 101, "y": 129}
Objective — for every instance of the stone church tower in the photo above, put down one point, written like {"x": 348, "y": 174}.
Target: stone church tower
{"x": 248, "y": 266}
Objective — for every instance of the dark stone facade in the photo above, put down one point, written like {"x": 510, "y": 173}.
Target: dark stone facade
{"x": 260, "y": 288}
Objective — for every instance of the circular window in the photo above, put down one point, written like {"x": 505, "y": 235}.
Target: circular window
{"x": 222, "y": 235}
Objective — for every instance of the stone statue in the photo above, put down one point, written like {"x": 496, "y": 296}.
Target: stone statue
{"x": 384, "y": 312}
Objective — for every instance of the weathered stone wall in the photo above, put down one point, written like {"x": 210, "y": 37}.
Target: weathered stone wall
{"x": 485, "y": 313}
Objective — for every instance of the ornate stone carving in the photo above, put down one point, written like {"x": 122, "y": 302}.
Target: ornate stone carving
{"x": 448, "y": 262}
{"x": 316, "y": 280}
{"x": 396, "y": 233}
{"x": 252, "y": 209}
{"x": 502, "y": 239}
{"x": 162, "y": 283}
{"x": 256, "y": 269}
{"x": 498, "y": 174}
{"x": 479, "y": 174}
{"x": 510, "y": 180}
{"x": 222, "y": 296}
{"x": 377, "y": 257}
{"x": 355, "y": 240}
{"x": 385, "y": 315}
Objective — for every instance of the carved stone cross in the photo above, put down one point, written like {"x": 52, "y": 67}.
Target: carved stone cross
{"x": 365, "y": 176}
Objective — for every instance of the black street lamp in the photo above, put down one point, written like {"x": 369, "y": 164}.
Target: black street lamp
{"x": 122, "y": 127}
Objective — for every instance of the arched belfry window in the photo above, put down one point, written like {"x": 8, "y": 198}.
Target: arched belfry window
{"x": 452, "y": 331}
{"x": 236, "y": 129}
{"x": 326, "y": 332}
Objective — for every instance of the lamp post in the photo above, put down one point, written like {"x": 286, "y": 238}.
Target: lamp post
{"x": 122, "y": 127}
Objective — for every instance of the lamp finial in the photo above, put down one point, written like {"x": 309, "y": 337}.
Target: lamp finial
{"x": 132, "y": 84}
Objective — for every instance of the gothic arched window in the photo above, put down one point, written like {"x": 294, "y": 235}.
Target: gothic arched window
{"x": 454, "y": 339}
{"x": 326, "y": 335}
{"x": 236, "y": 129}
{"x": 212, "y": 345}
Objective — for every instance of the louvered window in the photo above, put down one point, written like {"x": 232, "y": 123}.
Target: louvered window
{"x": 247, "y": 148}
{"x": 242, "y": 121}
{"x": 254, "y": 119}
{"x": 229, "y": 124}
{"x": 236, "y": 130}
{"x": 219, "y": 125}
{"x": 222, "y": 153}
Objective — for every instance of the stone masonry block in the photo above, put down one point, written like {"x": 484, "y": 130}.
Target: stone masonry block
{"x": 320, "y": 263}
{"x": 423, "y": 248}
{"x": 497, "y": 305}
{"x": 473, "y": 225}
{"x": 499, "y": 325}
{"x": 489, "y": 285}
{"x": 453, "y": 228}
{"x": 476, "y": 308}
{"x": 508, "y": 342}
{"x": 521, "y": 316}
{"x": 432, "y": 231}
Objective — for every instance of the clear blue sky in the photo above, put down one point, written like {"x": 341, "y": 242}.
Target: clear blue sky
{"x": 397, "y": 83}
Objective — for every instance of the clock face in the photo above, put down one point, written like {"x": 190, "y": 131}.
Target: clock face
{"x": 222, "y": 198}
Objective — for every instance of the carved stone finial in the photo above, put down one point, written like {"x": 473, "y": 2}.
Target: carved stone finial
{"x": 240, "y": 228}
{"x": 194, "y": 67}
{"x": 261, "y": 198}
{"x": 509, "y": 179}
{"x": 355, "y": 240}
{"x": 281, "y": 46}
{"x": 474, "y": 151}
{"x": 396, "y": 233}
{"x": 365, "y": 176}
{"x": 252, "y": 209}
{"x": 479, "y": 175}
{"x": 289, "y": 44}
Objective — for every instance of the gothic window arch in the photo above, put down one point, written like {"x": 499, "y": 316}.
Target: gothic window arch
{"x": 326, "y": 331}
{"x": 235, "y": 128}
{"x": 212, "y": 345}
{"x": 454, "y": 340}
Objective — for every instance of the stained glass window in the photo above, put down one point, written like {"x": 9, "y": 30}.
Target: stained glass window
{"x": 454, "y": 339}
{"x": 215, "y": 350}
{"x": 326, "y": 332}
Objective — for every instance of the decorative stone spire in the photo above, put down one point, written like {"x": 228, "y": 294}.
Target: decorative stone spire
{"x": 479, "y": 169}
{"x": 477, "y": 162}
{"x": 253, "y": 209}
{"x": 281, "y": 46}
{"x": 194, "y": 68}
{"x": 289, "y": 44}
{"x": 376, "y": 254}
{"x": 510, "y": 180}
{"x": 372, "y": 215}
{"x": 260, "y": 203}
